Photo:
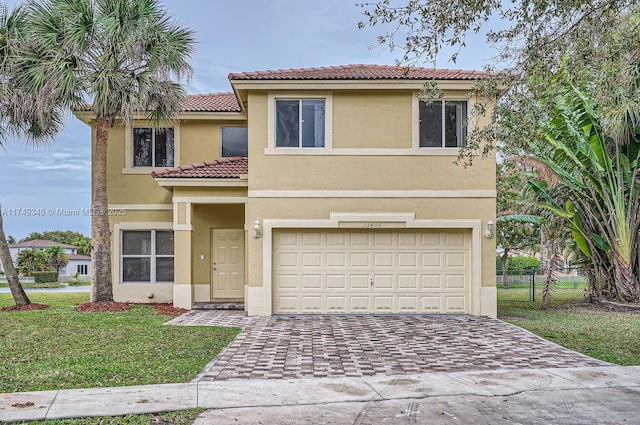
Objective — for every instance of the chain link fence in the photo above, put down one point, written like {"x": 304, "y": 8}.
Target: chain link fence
{"x": 526, "y": 285}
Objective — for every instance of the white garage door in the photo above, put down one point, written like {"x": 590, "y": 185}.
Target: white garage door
{"x": 340, "y": 271}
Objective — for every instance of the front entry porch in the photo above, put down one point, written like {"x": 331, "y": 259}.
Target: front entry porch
{"x": 210, "y": 265}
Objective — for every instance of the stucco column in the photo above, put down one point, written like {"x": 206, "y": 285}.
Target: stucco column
{"x": 182, "y": 229}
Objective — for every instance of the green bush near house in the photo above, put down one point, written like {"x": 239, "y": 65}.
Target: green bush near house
{"x": 45, "y": 277}
{"x": 519, "y": 263}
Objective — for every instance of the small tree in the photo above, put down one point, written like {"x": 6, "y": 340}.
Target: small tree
{"x": 56, "y": 257}
{"x": 32, "y": 260}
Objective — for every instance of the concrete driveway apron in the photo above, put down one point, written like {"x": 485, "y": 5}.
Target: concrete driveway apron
{"x": 284, "y": 347}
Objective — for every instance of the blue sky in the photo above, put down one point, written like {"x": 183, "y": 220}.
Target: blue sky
{"x": 233, "y": 36}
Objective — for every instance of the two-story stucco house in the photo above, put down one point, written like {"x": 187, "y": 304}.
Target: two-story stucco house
{"x": 80, "y": 264}
{"x": 321, "y": 190}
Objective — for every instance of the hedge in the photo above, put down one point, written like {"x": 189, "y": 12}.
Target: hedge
{"x": 45, "y": 277}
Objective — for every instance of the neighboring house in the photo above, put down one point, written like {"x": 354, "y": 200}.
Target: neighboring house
{"x": 349, "y": 201}
{"x": 80, "y": 264}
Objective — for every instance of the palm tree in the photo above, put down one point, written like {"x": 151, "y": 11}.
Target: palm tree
{"x": 123, "y": 56}
{"x": 25, "y": 113}
{"x": 56, "y": 257}
{"x": 601, "y": 196}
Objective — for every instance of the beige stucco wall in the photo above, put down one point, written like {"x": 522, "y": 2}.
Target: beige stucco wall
{"x": 362, "y": 121}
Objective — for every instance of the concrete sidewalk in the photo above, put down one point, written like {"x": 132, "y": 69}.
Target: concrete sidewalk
{"x": 306, "y": 396}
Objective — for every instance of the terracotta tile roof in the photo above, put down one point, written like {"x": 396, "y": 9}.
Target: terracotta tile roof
{"x": 212, "y": 102}
{"x": 360, "y": 72}
{"x": 223, "y": 168}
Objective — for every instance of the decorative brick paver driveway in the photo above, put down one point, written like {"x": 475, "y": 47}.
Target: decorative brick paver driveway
{"x": 321, "y": 346}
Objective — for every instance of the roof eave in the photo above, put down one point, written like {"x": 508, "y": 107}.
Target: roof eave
{"x": 377, "y": 84}
{"x": 241, "y": 181}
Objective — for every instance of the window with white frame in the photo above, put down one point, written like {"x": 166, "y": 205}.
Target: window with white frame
{"x": 300, "y": 123}
{"x": 147, "y": 256}
{"x": 82, "y": 269}
{"x": 153, "y": 147}
{"x": 443, "y": 123}
{"x": 234, "y": 141}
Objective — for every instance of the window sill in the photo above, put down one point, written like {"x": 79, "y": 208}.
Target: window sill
{"x": 141, "y": 170}
{"x": 450, "y": 152}
{"x": 146, "y": 283}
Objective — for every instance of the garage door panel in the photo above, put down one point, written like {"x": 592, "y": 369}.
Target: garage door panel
{"x": 431, "y": 259}
{"x": 432, "y": 281}
{"x": 288, "y": 281}
{"x": 286, "y": 304}
{"x": 336, "y": 239}
{"x": 383, "y": 304}
{"x": 311, "y": 239}
{"x": 455, "y": 240}
{"x": 408, "y": 282}
{"x": 358, "y": 272}
{"x": 407, "y": 259}
{"x": 407, "y": 240}
{"x": 382, "y": 281}
{"x": 408, "y": 304}
{"x": 359, "y": 304}
{"x": 383, "y": 239}
{"x": 336, "y": 304}
{"x": 431, "y": 304}
{"x": 430, "y": 240}
{"x": 359, "y": 281}
{"x": 455, "y": 259}
{"x": 359, "y": 239}
{"x": 359, "y": 259}
{"x": 383, "y": 259}
{"x": 455, "y": 304}
{"x": 311, "y": 281}
{"x": 336, "y": 259}
{"x": 456, "y": 281}
{"x": 312, "y": 304}
{"x": 311, "y": 259}
{"x": 337, "y": 282}
{"x": 287, "y": 259}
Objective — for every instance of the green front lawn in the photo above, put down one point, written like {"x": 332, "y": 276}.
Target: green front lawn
{"x": 62, "y": 348}
{"x": 589, "y": 329}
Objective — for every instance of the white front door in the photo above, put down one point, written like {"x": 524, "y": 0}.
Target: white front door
{"x": 227, "y": 268}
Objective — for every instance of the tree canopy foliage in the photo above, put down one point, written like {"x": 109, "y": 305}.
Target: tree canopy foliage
{"x": 599, "y": 40}
{"x": 564, "y": 94}
{"x": 68, "y": 237}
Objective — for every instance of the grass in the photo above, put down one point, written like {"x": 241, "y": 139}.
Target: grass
{"x": 611, "y": 336}
{"x": 182, "y": 417}
{"x": 61, "y": 348}
{"x": 36, "y": 285}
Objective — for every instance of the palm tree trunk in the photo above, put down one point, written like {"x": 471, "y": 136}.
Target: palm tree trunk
{"x": 19, "y": 296}
{"x": 626, "y": 280}
{"x": 101, "y": 284}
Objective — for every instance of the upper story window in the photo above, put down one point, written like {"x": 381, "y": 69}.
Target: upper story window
{"x": 153, "y": 147}
{"x": 300, "y": 123}
{"x": 443, "y": 124}
{"x": 234, "y": 141}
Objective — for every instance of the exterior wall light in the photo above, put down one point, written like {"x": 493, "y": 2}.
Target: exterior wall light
{"x": 490, "y": 226}
{"x": 256, "y": 229}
